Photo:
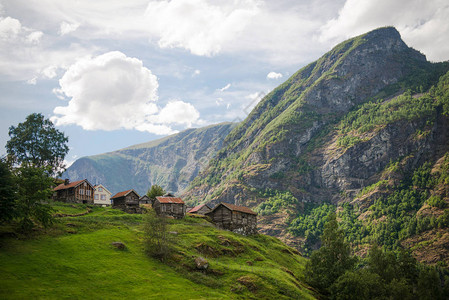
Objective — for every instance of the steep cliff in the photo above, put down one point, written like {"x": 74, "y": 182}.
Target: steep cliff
{"x": 277, "y": 133}
{"x": 171, "y": 162}
{"x": 334, "y": 129}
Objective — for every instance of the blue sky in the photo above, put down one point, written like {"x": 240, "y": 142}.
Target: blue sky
{"x": 115, "y": 73}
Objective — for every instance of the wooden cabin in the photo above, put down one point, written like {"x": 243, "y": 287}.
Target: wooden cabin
{"x": 80, "y": 191}
{"x": 201, "y": 209}
{"x": 238, "y": 219}
{"x": 145, "y": 200}
{"x": 102, "y": 196}
{"x": 127, "y": 201}
{"x": 170, "y": 206}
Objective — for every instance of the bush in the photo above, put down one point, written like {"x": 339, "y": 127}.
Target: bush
{"x": 156, "y": 239}
{"x": 436, "y": 201}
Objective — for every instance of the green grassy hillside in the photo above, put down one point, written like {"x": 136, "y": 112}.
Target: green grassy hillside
{"x": 75, "y": 259}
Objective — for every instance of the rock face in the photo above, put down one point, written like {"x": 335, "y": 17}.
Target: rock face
{"x": 276, "y": 135}
{"x": 171, "y": 162}
{"x": 303, "y": 138}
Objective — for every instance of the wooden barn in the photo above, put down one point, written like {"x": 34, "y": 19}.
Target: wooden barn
{"x": 80, "y": 191}
{"x": 170, "y": 206}
{"x": 127, "y": 201}
{"x": 238, "y": 219}
{"x": 201, "y": 209}
{"x": 145, "y": 200}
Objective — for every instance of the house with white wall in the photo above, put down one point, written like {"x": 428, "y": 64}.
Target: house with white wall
{"x": 102, "y": 196}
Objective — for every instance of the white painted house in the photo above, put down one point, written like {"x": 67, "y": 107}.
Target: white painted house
{"x": 102, "y": 195}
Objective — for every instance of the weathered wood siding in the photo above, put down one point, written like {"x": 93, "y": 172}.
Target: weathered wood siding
{"x": 128, "y": 203}
{"x": 235, "y": 221}
{"x": 83, "y": 193}
{"x": 176, "y": 210}
{"x": 203, "y": 210}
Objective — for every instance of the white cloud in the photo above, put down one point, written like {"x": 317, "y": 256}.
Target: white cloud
{"x": 113, "y": 91}
{"x": 32, "y": 81}
{"x": 422, "y": 24}
{"x": 66, "y": 28}
{"x": 24, "y": 55}
{"x": 107, "y": 92}
{"x": 196, "y": 73}
{"x": 274, "y": 75}
{"x": 178, "y": 112}
{"x": 50, "y": 72}
{"x": 225, "y": 87}
{"x": 197, "y": 25}
{"x": 219, "y": 101}
{"x": 12, "y": 32}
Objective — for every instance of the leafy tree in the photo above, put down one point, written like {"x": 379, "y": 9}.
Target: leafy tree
{"x": 34, "y": 186}
{"x": 36, "y": 141}
{"x": 332, "y": 260}
{"x": 155, "y": 191}
{"x": 156, "y": 239}
{"x": 358, "y": 285}
{"x": 7, "y": 192}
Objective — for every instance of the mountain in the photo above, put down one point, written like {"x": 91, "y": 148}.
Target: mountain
{"x": 171, "y": 162}
{"x": 333, "y": 131}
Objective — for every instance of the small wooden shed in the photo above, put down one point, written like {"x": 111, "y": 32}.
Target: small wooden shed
{"x": 127, "y": 201}
{"x": 201, "y": 209}
{"x": 239, "y": 219}
{"x": 145, "y": 200}
{"x": 170, "y": 206}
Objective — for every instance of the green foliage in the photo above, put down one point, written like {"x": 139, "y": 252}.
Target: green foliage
{"x": 36, "y": 141}
{"x": 357, "y": 285}
{"x": 310, "y": 224}
{"x": 33, "y": 187}
{"x": 371, "y": 188}
{"x": 276, "y": 201}
{"x": 381, "y": 275}
{"x": 155, "y": 191}
{"x": 7, "y": 192}
{"x": 436, "y": 201}
{"x": 332, "y": 260}
{"x": 156, "y": 240}
{"x": 348, "y": 141}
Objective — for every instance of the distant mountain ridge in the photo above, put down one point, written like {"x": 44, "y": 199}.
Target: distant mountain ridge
{"x": 171, "y": 162}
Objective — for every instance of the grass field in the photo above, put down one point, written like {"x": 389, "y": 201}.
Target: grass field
{"x": 75, "y": 260}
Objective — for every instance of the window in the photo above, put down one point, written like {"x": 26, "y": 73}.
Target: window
{"x": 81, "y": 191}
{"x": 100, "y": 189}
{"x": 96, "y": 197}
{"x": 103, "y": 197}
{"x": 88, "y": 192}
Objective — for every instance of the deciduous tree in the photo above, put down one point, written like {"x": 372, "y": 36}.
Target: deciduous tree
{"x": 37, "y": 142}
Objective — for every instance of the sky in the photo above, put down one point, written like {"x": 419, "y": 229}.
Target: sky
{"x": 113, "y": 73}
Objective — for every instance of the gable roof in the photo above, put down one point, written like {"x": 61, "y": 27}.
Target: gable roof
{"x": 197, "y": 208}
{"x": 100, "y": 185}
{"x": 234, "y": 207}
{"x": 73, "y": 184}
{"x": 124, "y": 193}
{"x": 162, "y": 199}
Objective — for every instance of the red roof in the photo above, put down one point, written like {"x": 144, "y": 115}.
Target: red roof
{"x": 169, "y": 200}
{"x": 124, "y": 193}
{"x": 197, "y": 208}
{"x": 63, "y": 186}
{"x": 238, "y": 208}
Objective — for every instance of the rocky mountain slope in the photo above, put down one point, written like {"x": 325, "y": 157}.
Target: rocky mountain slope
{"x": 333, "y": 129}
{"x": 171, "y": 162}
